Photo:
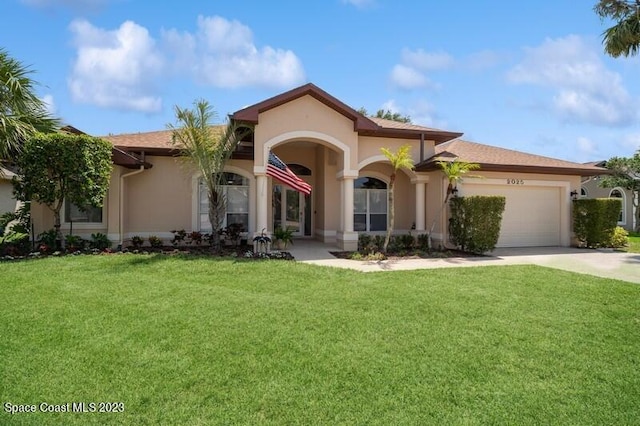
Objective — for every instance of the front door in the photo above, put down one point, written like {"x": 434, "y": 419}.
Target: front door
{"x": 290, "y": 210}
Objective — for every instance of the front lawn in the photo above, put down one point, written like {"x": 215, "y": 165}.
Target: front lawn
{"x": 634, "y": 243}
{"x": 204, "y": 341}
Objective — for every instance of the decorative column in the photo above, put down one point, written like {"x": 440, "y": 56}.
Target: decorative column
{"x": 262, "y": 197}
{"x": 420, "y": 206}
{"x": 347, "y": 239}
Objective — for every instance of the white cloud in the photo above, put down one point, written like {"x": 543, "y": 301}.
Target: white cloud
{"x": 426, "y": 61}
{"x": 406, "y": 77}
{"x": 421, "y": 113}
{"x": 222, "y": 53}
{"x": 411, "y": 72}
{"x": 49, "y": 104}
{"x": 586, "y": 90}
{"x": 586, "y": 148}
{"x": 115, "y": 68}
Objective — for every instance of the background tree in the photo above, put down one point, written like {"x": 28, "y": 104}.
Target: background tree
{"x": 207, "y": 148}
{"x": 626, "y": 174}
{"x": 58, "y": 166}
{"x": 387, "y": 114}
{"x": 623, "y": 38}
{"x": 454, "y": 171}
{"x": 22, "y": 113}
{"x": 399, "y": 160}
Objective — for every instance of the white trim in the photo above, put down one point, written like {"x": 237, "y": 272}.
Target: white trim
{"x": 195, "y": 194}
{"x": 624, "y": 204}
{"x": 64, "y": 225}
{"x": 383, "y": 159}
{"x": 381, "y": 177}
{"x": 321, "y": 138}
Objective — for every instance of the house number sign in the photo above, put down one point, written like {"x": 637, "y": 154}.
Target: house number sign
{"x": 515, "y": 181}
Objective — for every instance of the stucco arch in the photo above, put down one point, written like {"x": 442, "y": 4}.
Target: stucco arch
{"x": 382, "y": 159}
{"x": 318, "y": 137}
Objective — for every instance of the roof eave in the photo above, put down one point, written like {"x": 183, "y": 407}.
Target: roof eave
{"x": 429, "y": 165}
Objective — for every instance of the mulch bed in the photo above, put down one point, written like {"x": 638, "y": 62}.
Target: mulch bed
{"x": 434, "y": 254}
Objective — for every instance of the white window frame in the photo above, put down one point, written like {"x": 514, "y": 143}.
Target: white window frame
{"x": 196, "y": 222}
{"x": 623, "y": 212}
{"x": 83, "y": 225}
{"x": 586, "y": 193}
{"x": 368, "y": 212}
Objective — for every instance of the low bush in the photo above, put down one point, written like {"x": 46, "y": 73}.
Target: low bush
{"x": 73, "y": 243}
{"x": 137, "y": 241}
{"x": 100, "y": 241}
{"x": 155, "y": 241}
{"x": 620, "y": 238}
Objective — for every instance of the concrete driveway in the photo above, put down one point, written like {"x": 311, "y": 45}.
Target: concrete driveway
{"x": 602, "y": 263}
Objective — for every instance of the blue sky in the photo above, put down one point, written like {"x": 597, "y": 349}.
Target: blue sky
{"x": 525, "y": 75}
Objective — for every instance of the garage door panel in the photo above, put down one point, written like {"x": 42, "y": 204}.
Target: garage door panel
{"x": 531, "y": 217}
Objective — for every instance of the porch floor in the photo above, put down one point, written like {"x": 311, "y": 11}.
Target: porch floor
{"x": 307, "y": 249}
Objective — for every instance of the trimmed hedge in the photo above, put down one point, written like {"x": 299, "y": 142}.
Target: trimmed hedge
{"x": 475, "y": 222}
{"x": 595, "y": 220}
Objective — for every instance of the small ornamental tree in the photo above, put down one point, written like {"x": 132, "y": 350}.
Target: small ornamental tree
{"x": 57, "y": 166}
{"x": 399, "y": 160}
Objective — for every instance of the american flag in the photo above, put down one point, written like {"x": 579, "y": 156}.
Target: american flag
{"x": 279, "y": 171}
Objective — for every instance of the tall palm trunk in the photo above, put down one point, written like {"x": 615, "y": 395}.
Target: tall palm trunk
{"x": 392, "y": 215}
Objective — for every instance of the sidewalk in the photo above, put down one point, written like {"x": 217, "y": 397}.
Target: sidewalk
{"x": 601, "y": 263}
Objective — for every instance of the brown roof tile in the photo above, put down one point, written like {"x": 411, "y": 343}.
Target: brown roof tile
{"x": 493, "y": 158}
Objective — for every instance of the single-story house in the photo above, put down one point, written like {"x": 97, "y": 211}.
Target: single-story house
{"x": 337, "y": 151}
{"x": 591, "y": 189}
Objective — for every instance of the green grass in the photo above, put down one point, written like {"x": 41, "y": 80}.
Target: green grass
{"x": 634, "y": 243}
{"x": 199, "y": 342}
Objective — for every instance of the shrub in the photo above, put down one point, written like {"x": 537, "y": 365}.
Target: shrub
{"x": 155, "y": 241}
{"x": 364, "y": 241}
{"x": 137, "y": 241}
{"x": 404, "y": 242}
{"x": 620, "y": 237}
{"x": 73, "y": 243}
{"x": 422, "y": 242}
{"x": 195, "y": 237}
{"x": 475, "y": 222}
{"x": 595, "y": 219}
{"x": 14, "y": 243}
{"x": 47, "y": 241}
{"x": 178, "y": 237}
{"x": 99, "y": 241}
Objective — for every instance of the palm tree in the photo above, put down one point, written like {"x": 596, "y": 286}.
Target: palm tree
{"x": 454, "y": 171}
{"x": 207, "y": 149}
{"x": 22, "y": 113}
{"x": 623, "y": 38}
{"x": 400, "y": 160}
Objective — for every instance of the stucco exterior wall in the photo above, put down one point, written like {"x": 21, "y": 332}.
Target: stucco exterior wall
{"x": 7, "y": 202}
{"x": 308, "y": 119}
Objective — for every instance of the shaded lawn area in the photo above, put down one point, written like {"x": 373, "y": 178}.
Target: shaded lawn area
{"x": 202, "y": 341}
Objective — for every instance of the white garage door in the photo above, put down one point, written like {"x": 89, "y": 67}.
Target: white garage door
{"x": 531, "y": 216}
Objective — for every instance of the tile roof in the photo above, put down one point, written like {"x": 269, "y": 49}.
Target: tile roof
{"x": 493, "y": 158}
{"x": 158, "y": 139}
{"x": 390, "y": 124}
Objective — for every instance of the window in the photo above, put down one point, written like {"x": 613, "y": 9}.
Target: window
{"x": 619, "y": 193}
{"x": 74, "y": 214}
{"x": 236, "y": 194}
{"x": 583, "y": 193}
{"x": 370, "y": 205}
